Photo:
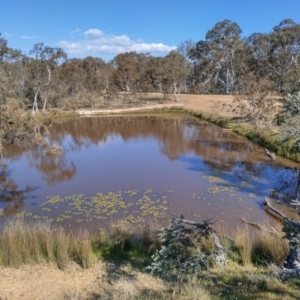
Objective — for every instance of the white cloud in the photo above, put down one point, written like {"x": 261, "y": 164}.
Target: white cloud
{"x": 93, "y": 33}
{"x": 29, "y": 37}
{"x": 94, "y": 41}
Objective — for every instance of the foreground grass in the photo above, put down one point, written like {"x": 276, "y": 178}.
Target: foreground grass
{"x": 252, "y": 273}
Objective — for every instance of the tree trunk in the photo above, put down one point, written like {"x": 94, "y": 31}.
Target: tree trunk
{"x": 35, "y": 107}
{"x": 45, "y": 101}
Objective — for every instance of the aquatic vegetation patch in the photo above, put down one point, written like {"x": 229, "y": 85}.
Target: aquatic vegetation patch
{"x": 134, "y": 206}
{"x": 216, "y": 189}
{"x": 213, "y": 179}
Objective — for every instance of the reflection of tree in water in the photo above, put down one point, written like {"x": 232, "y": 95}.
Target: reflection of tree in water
{"x": 88, "y": 131}
{"x": 220, "y": 150}
{"x": 11, "y": 197}
{"x": 54, "y": 168}
{"x": 177, "y": 136}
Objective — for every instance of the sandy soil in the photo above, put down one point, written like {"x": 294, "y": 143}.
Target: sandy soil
{"x": 222, "y": 105}
{"x": 47, "y": 282}
{"x": 214, "y": 104}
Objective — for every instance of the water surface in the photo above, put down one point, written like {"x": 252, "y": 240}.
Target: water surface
{"x": 144, "y": 167}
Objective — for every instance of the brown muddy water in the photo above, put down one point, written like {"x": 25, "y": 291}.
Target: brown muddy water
{"x": 142, "y": 168}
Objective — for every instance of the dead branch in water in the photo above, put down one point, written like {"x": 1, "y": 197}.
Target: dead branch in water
{"x": 273, "y": 210}
{"x": 271, "y": 155}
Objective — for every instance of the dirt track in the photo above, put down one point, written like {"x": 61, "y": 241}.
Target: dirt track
{"x": 214, "y": 104}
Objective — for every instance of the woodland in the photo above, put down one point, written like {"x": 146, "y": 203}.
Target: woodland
{"x": 223, "y": 63}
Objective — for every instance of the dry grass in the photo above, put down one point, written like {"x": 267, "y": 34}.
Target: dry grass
{"x": 34, "y": 243}
{"x": 82, "y": 248}
{"x": 38, "y": 242}
{"x": 270, "y": 248}
{"x": 247, "y": 245}
{"x": 244, "y": 240}
{"x": 126, "y": 289}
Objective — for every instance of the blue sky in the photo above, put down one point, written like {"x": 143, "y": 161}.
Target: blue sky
{"x": 104, "y": 28}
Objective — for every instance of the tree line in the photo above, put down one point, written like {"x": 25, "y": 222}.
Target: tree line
{"x": 223, "y": 63}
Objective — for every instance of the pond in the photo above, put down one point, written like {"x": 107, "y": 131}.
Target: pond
{"x": 141, "y": 169}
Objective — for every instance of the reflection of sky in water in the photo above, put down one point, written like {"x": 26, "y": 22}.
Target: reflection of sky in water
{"x": 110, "y": 155}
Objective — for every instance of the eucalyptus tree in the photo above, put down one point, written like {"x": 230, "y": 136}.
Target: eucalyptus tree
{"x": 72, "y": 79}
{"x": 93, "y": 81}
{"x": 5, "y": 82}
{"x": 185, "y": 49}
{"x": 44, "y": 60}
{"x": 3, "y": 47}
{"x": 175, "y": 69}
{"x": 130, "y": 70}
{"x": 220, "y": 57}
{"x": 275, "y": 57}
{"x": 168, "y": 74}
{"x": 285, "y": 56}
{"x": 155, "y": 74}
{"x": 13, "y": 76}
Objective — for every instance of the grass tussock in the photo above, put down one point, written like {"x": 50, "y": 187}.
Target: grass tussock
{"x": 244, "y": 240}
{"x": 270, "y": 248}
{"x": 33, "y": 243}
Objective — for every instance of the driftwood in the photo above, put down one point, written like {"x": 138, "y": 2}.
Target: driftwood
{"x": 220, "y": 252}
{"x": 271, "y": 155}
